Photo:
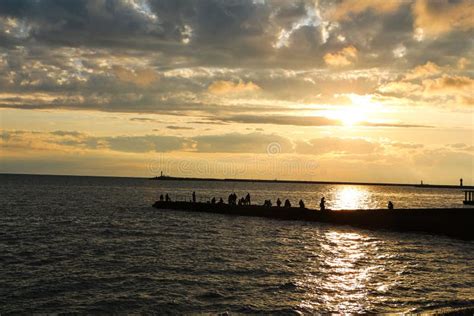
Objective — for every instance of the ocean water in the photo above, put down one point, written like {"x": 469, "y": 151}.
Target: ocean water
{"x": 95, "y": 245}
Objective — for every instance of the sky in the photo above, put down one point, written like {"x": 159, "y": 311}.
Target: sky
{"x": 378, "y": 91}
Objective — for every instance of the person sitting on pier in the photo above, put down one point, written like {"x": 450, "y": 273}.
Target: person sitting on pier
{"x": 390, "y": 205}
{"x": 213, "y": 200}
{"x": 322, "y": 204}
{"x": 301, "y": 204}
{"x": 221, "y": 201}
{"x": 247, "y": 199}
{"x": 194, "y": 196}
{"x": 287, "y": 203}
{"x": 268, "y": 203}
{"x": 161, "y": 197}
{"x": 167, "y": 198}
{"x": 278, "y": 202}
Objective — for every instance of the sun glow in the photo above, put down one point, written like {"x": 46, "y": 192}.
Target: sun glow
{"x": 359, "y": 111}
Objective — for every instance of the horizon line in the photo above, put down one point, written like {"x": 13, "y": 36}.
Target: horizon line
{"x": 178, "y": 178}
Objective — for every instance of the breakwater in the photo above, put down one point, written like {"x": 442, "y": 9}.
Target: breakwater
{"x": 452, "y": 222}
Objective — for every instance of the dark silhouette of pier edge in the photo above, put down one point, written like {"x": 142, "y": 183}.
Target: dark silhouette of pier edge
{"x": 452, "y": 222}
{"x": 422, "y": 185}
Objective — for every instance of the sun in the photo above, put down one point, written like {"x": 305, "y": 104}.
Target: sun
{"x": 358, "y": 111}
{"x": 350, "y": 116}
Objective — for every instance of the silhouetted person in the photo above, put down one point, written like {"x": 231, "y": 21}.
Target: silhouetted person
{"x": 233, "y": 199}
{"x": 247, "y": 199}
{"x": 460, "y": 182}
{"x": 322, "y": 204}
{"x": 167, "y": 198}
{"x": 229, "y": 200}
{"x": 161, "y": 197}
{"x": 278, "y": 202}
{"x": 194, "y": 197}
{"x": 221, "y": 201}
{"x": 301, "y": 204}
{"x": 213, "y": 200}
{"x": 241, "y": 201}
{"x": 287, "y": 203}
{"x": 390, "y": 205}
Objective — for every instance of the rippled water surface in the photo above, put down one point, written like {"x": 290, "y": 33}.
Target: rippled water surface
{"x": 83, "y": 244}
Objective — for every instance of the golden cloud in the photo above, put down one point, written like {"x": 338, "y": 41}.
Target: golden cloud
{"x": 437, "y": 17}
{"x": 463, "y": 63}
{"x": 225, "y": 87}
{"x": 346, "y": 8}
{"x": 344, "y": 57}
{"x": 443, "y": 90}
{"x": 140, "y": 77}
{"x": 450, "y": 84}
{"x": 423, "y": 71}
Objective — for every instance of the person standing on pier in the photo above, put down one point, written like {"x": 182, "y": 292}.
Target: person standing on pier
{"x": 322, "y": 204}
{"x": 247, "y": 199}
{"x": 161, "y": 198}
{"x": 278, "y": 202}
{"x": 167, "y": 198}
{"x": 390, "y": 205}
{"x": 194, "y": 196}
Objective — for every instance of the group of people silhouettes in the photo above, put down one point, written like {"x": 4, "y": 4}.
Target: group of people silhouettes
{"x": 165, "y": 198}
{"x": 234, "y": 200}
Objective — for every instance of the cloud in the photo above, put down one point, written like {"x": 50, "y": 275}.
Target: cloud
{"x": 318, "y": 146}
{"x": 427, "y": 70}
{"x": 435, "y": 18}
{"x": 174, "y": 127}
{"x": 401, "y": 125}
{"x": 450, "y": 84}
{"x": 404, "y": 145}
{"x": 462, "y": 63}
{"x": 145, "y": 119}
{"x": 242, "y": 143}
{"x": 146, "y": 143}
{"x": 226, "y": 87}
{"x": 344, "y": 57}
{"x": 76, "y": 141}
{"x": 140, "y": 77}
{"x": 304, "y": 121}
{"x": 350, "y": 8}
{"x": 282, "y": 120}
{"x": 434, "y": 84}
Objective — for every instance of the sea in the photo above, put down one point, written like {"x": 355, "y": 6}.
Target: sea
{"x": 94, "y": 245}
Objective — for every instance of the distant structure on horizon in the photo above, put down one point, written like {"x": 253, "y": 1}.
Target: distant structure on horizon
{"x": 460, "y": 182}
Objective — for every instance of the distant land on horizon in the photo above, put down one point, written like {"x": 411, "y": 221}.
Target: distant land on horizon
{"x": 174, "y": 178}
{"x": 448, "y": 186}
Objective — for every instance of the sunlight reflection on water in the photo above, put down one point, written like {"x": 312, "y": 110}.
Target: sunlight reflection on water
{"x": 347, "y": 269}
{"x": 351, "y": 197}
